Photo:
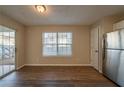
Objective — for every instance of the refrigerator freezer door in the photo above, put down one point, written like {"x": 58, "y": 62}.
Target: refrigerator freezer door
{"x": 112, "y": 58}
{"x": 122, "y": 38}
{"x": 113, "y": 40}
{"x": 120, "y": 76}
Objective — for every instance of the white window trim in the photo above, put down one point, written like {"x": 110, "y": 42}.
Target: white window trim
{"x": 57, "y": 45}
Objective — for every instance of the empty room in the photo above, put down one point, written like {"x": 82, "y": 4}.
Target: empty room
{"x": 61, "y": 46}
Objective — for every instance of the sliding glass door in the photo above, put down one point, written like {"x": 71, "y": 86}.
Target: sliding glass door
{"x": 1, "y": 68}
{"x": 7, "y": 50}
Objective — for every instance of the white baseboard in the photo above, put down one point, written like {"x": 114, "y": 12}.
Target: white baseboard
{"x": 20, "y": 67}
{"x": 53, "y": 65}
{"x": 58, "y": 65}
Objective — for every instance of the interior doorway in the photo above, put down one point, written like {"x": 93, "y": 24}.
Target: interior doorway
{"x": 95, "y": 47}
{"x": 7, "y": 50}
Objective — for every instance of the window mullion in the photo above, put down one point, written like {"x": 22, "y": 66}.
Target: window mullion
{"x": 57, "y": 42}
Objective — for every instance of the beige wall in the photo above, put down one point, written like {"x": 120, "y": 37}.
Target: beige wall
{"x": 6, "y": 21}
{"x": 81, "y": 45}
{"x": 29, "y": 45}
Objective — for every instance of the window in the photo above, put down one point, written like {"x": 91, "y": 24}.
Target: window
{"x": 57, "y": 44}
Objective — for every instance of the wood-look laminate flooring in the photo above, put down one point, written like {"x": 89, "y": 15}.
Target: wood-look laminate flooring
{"x": 50, "y": 76}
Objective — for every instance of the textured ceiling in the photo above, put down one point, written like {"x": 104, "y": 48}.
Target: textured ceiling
{"x": 60, "y": 15}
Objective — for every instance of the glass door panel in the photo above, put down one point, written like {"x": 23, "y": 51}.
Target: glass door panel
{"x": 1, "y": 73}
{"x": 7, "y": 50}
{"x": 12, "y": 50}
{"x": 1, "y": 61}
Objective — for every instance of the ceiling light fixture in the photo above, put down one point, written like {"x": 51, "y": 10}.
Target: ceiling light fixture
{"x": 40, "y": 8}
